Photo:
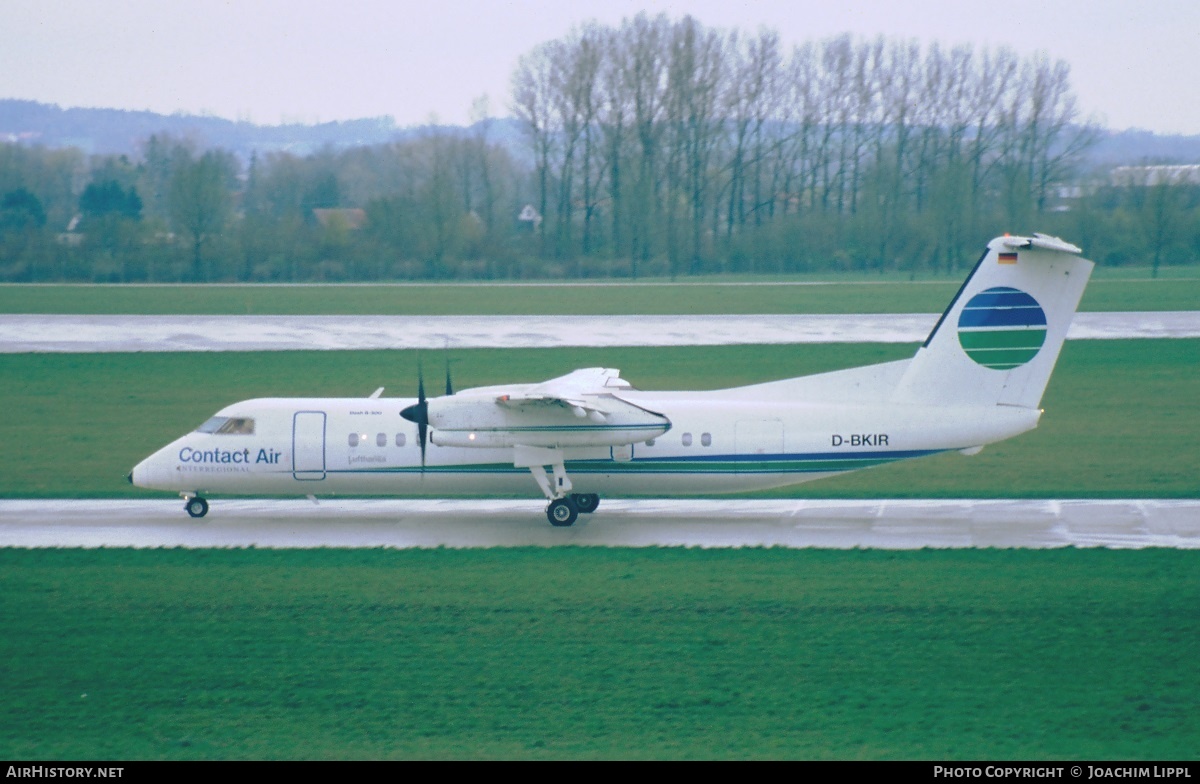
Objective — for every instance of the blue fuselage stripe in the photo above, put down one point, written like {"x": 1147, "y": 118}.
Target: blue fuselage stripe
{"x": 800, "y": 456}
{"x": 681, "y": 464}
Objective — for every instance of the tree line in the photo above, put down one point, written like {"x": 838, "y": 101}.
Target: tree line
{"x": 655, "y": 147}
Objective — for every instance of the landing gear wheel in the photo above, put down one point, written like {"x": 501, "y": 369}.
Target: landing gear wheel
{"x": 562, "y": 512}
{"x": 196, "y": 506}
{"x": 586, "y": 502}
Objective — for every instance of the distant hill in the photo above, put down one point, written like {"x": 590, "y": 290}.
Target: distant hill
{"x": 1135, "y": 146}
{"x": 116, "y": 131}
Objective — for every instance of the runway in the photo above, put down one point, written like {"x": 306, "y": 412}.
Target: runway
{"x": 898, "y": 525}
{"x": 23, "y": 333}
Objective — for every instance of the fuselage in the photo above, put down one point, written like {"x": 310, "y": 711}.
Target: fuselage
{"x": 978, "y": 378}
{"x": 723, "y": 441}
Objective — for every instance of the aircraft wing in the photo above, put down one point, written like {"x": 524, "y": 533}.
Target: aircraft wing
{"x": 577, "y": 389}
{"x": 580, "y": 409}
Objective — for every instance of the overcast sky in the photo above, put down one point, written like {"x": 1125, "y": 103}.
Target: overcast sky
{"x": 1134, "y": 63}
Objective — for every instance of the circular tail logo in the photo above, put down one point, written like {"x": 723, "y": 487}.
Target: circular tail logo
{"x": 1002, "y": 328}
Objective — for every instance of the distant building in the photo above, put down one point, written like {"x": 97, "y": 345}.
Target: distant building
{"x": 72, "y": 236}
{"x": 530, "y": 217}
{"x": 1149, "y": 176}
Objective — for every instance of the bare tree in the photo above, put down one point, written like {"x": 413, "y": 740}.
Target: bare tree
{"x": 591, "y": 53}
{"x": 1156, "y": 194}
{"x": 1056, "y": 140}
{"x": 644, "y": 78}
{"x": 576, "y": 64}
{"x": 898, "y": 84}
{"x": 481, "y": 122}
{"x": 695, "y": 78}
{"x": 613, "y": 120}
{"x": 532, "y": 105}
{"x": 994, "y": 76}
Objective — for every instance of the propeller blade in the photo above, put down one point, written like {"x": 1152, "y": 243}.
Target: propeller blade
{"x": 419, "y": 413}
{"x": 423, "y": 432}
{"x": 449, "y": 383}
{"x": 423, "y": 424}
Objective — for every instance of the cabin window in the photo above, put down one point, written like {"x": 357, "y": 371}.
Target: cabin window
{"x": 706, "y": 439}
{"x": 354, "y": 439}
{"x": 381, "y": 439}
{"x": 400, "y": 439}
{"x": 650, "y": 442}
{"x": 687, "y": 439}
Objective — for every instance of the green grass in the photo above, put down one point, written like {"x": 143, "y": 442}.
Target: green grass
{"x": 599, "y": 653}
{"x": 845, "y": 295}
{"x": 1120, "y": 415}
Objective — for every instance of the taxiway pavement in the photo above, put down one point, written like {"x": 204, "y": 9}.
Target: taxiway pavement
{"x": 23, "y": 333}
{"x": 907, "y": 524}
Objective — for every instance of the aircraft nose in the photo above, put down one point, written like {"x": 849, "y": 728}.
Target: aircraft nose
{"x": 140, "y": 475}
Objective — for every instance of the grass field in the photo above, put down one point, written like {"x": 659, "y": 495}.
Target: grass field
{"x": 849, "y": 294}
{"x": 1121, "y": 417}
{"x": 599, "y": 653}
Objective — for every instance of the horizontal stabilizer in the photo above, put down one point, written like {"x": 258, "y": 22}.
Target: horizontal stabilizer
{"x": 1043, "y": 241}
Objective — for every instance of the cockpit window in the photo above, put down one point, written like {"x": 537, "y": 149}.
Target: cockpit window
{"x": 212, "y": 425}
{"x": 241, "y": 426}
{"x": 228, "y": 426}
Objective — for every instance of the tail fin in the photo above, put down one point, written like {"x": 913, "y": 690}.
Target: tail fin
{"x": 998, "y": 341}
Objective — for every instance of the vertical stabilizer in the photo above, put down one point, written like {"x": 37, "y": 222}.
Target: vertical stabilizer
{"x": 998, "y": 341}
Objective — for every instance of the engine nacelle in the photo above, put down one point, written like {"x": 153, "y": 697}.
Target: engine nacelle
{"x": 471, "y": 421}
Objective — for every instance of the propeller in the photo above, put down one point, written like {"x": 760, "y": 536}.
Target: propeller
{"x": 419, "y": 412}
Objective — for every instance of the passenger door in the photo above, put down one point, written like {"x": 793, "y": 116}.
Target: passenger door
{"x": 308, "y": 445}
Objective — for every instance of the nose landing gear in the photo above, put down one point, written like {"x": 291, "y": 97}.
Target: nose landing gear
{"x": 196, "y": 506}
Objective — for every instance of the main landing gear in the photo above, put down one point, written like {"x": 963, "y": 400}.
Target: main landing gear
{"x": 587, "y": 502}
{"x": 563, "y": 512}
{"x": 196, "y": 506}
{"x": 563, "y": 507}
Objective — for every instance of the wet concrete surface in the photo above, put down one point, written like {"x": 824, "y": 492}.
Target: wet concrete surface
{"x": 21, "y": 333}
{"x": 882, "y": 524}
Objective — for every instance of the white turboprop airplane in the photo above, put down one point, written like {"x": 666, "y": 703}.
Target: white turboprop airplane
{"x": 977, "y": 379}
